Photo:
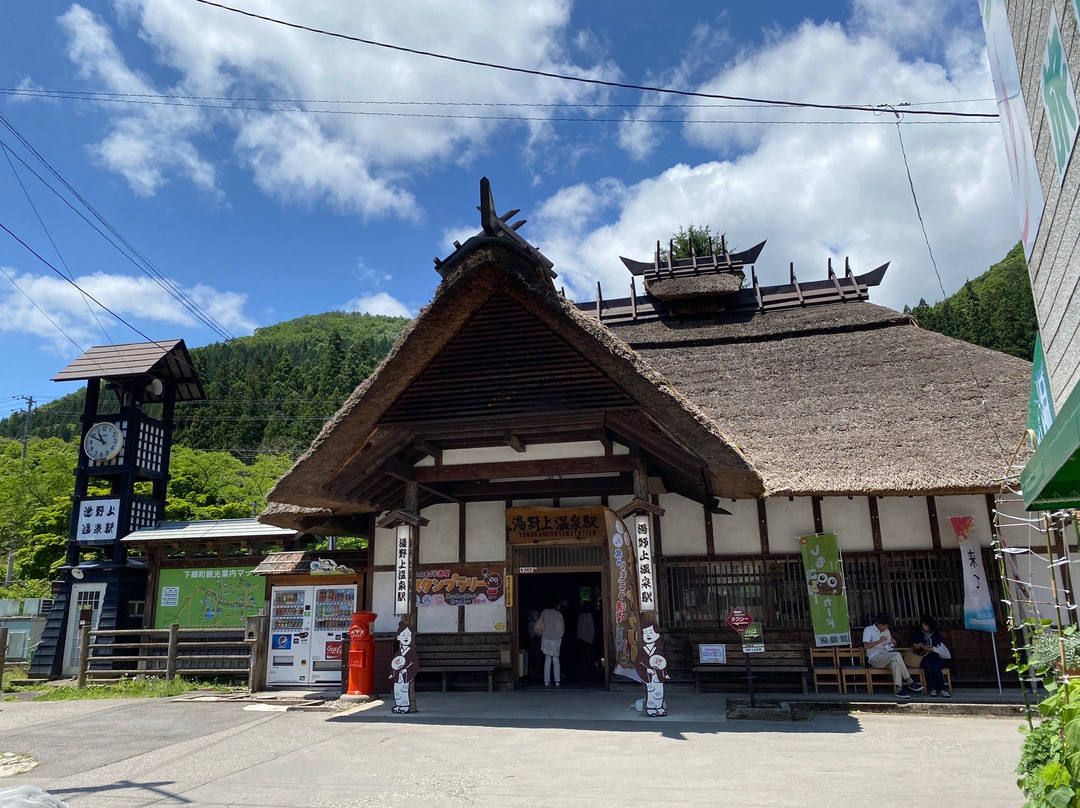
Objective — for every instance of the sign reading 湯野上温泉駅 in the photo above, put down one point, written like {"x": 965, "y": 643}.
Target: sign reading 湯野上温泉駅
{"x": 535, "y": 525}
{"x": 201, "y": 598}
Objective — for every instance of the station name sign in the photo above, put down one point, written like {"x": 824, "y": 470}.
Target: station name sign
{"x": 587, "y": 525}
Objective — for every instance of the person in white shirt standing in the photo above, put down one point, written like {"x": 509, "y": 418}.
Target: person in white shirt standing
{"x": 551, "y": 642}
{"x": 879, "y": 645}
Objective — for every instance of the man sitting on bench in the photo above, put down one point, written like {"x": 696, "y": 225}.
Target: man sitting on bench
{"x": 879, "y": 644}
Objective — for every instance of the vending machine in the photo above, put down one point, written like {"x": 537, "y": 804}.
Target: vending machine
{"x": 289, "y": 653}
{"x": 333, "y": 607}
{"x": 307, "y": 624}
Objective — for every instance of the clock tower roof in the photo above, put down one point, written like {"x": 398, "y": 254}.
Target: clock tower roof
{"x": 167, "y": 360}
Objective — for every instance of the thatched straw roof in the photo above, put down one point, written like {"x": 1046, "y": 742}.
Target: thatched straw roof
{"x": 693, "y": 286}
{"x": 481, "y": 268}
{"x": 847, "y": 398}
{"x": 829, "y": 399}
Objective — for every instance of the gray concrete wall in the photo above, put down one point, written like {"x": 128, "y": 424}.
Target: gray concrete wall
{"x": 1055, "y": 260}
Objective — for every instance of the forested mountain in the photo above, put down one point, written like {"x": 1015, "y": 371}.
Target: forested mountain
{"x": 994, "y": 310}
{"x": 270, "y": 392}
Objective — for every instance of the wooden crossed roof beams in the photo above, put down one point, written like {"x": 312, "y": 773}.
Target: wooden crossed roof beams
{"x": 375, "y": 479}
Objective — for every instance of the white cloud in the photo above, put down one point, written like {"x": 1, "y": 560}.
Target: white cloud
{"x": 145, "y": 145}
{"x": 140, "y": 301}
{"x": 814, "y": 191}
{"x": 358, "y": 162}
{"x": 379, "y": 303}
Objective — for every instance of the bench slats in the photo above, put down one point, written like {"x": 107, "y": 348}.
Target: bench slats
{"x": 779, "y": 659}
{"x": 449, "y": 659}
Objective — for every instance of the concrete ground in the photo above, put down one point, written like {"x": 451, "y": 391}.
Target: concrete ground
{"x": 530, "y": 747}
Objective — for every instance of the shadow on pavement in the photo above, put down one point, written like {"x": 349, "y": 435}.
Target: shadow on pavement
{"x": 148, "y": 789}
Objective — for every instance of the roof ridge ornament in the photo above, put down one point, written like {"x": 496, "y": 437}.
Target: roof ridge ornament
{"x": 495, "y": 226}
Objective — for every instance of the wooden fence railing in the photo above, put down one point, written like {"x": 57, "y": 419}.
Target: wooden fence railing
{"x": 168, "y": 652}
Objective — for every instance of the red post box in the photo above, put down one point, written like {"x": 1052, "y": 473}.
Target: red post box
{"x": 362, "y": 655}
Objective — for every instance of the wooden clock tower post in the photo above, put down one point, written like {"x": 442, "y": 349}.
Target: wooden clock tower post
{"x": 120, "y": 486}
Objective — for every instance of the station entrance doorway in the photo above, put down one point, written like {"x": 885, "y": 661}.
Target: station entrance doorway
{"x": 580, "y": 595}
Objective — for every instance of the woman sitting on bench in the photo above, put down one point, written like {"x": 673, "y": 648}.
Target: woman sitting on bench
{"x": 928, "y": 644}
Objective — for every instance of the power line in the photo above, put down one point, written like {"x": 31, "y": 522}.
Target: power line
{"x": 102, "y": 95}
{"x": 143, "y": 263}
{"x": 945, "y": 298}
{"x": 167, "y": 102}
{"x": 579, "y": 79}
{"x": 52, "y": 241}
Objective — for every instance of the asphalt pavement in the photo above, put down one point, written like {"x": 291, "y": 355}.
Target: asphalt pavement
{"x": 534, "y": 748}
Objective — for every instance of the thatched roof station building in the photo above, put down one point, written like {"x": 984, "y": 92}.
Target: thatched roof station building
{"x": 728, "y": 417}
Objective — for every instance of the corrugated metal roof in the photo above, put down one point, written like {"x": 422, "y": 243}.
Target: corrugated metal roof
{"x": 210, "y": 530}
{"x": 284, "y": 564}
{"x": 166, "y": 359}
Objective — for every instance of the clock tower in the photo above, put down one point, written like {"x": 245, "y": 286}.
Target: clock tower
{"x": 120, "y": 486}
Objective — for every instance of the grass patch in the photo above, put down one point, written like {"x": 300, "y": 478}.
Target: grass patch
{"x": 9, "y": 675}
{"x": 143, "y": 687}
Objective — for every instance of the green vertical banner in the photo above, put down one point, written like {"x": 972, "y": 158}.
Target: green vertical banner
{"x": 826, "y": 588}
{"x": 1040, "y": 402}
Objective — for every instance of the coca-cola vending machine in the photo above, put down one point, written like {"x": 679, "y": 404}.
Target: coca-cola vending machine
{"x": 307, "y": 625}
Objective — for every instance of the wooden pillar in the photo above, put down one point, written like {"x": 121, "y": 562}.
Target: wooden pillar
{"x": 406, "y": 523}
{"x": 763, "y": 527}
{"x": 819, "y": 524}
{"x": 875, "y": 524}
{"x": 710, "y": 539}
{"x": 935, "y": 525}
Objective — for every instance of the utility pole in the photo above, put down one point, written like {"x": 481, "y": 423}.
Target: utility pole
{"x": 26, "y": 428}
{"x": 26, "y": 440}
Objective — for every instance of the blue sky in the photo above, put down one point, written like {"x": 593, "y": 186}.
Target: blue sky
{"x": 261, "y": 216}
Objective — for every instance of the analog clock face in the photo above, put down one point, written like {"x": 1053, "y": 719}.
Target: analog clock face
{"x": 103, "y": 441}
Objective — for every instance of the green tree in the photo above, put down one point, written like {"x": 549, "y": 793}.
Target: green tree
{"x": 995, "y": 310}
{"x": 30, "y": 484}
{"x": 693, "y": 236}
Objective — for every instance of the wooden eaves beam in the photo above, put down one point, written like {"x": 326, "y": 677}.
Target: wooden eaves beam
{"x": 400, "y": 470}
{"x": 514, "y": 442}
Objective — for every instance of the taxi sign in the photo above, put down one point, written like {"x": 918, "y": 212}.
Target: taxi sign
{"x": 739, "y": 619}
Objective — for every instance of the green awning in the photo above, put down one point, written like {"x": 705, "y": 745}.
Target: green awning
{"x": 1051, "y": 478}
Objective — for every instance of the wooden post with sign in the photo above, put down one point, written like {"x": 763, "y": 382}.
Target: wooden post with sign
{"x": 406, "y": 523}
{"x": 740, "y": 620}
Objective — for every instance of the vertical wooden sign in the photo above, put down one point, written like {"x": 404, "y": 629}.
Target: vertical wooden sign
{"x": 404, "y": 588}
{"x": 643, "y": 549}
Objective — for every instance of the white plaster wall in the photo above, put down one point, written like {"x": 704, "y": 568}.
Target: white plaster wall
{"x": 788, "y": 520}
{"x": 682, "y": 527}
{"x": 904, "y": 523}
{"x": 737, "y": 534}
{"x": 537, "y": 451}
{"x": 849, "y": 519}
{"x": 533, "y": 503}
{"x": 619, "y": 449}
{"x": 969, "y": 505}
{"x": 382, "y": 601}
{"x": 437, "y": 620}
{"x": 439, "y": 539}
{"x": 485, "y": 531}
{"x": 385, "y": 542}
{"x": 485, "y": 617}
{"x": 579, "y": 502}
{"x": 616, "y": 502}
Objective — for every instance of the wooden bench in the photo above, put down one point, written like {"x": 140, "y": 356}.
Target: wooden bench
{"x": 449, "y": 659}
{"x": 777, "y": 661}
